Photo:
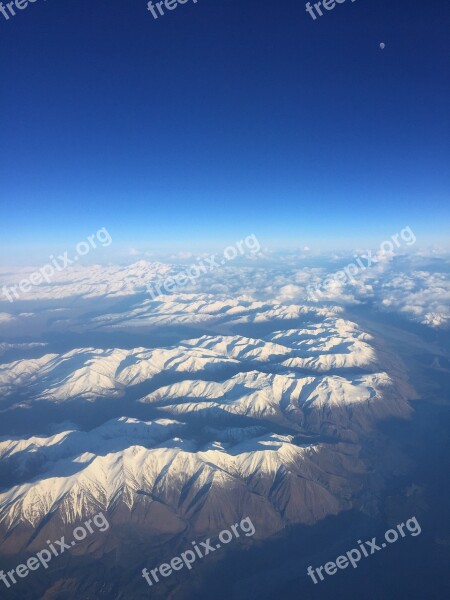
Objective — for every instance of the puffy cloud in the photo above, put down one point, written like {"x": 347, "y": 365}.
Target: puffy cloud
{"x": 416, "y": 285}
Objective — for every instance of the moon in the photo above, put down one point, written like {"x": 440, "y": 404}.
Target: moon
{"x": 382, "y": 45}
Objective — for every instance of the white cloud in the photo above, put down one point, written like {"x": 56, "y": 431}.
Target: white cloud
{"x": 414, "y": 285}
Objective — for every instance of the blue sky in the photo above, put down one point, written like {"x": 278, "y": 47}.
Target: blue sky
{"x": 224, "y": 118}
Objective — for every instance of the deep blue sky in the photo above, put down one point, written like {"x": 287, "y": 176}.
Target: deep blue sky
{"x": 224, "y": 118}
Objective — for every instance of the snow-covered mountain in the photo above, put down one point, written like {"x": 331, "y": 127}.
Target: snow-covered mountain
{"x": 92, "y": 373}
{"x": 206, "y": 309}
{"x": 313, "y": 403}
{"x": 266, "y": 476}
{"x": 269, "y": 425}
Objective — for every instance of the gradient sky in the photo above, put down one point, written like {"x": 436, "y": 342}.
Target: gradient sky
{"x": 224, "y": 118}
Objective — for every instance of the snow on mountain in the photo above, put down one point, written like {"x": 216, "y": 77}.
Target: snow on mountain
{"x": 91, "y": 373}
{"x": 286, "y": 400}
{"x": 269, "y": 475}
{"x": 241, "y": 348}
{"x": 330, "y": 332}
{"x": 183, "y": 308}
{"x": 361, "y": 355}
{"x": 254, "y": 394}
{"x": 123, "y": 431}
{"x": 275, "y": 434}
{"x": 334, "y": 344}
